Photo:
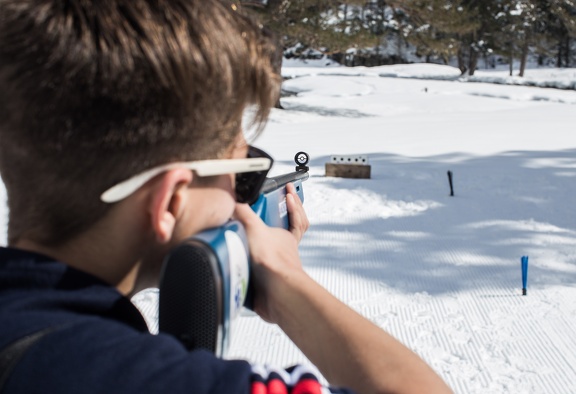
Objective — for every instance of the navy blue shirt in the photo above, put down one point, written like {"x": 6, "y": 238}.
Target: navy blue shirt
{"x": 101, "y": 343}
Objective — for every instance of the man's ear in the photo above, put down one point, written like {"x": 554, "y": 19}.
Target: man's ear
{"x": 168, "y": 198}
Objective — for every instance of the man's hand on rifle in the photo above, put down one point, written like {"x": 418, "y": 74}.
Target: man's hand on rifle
{"x": 274, "y": 255}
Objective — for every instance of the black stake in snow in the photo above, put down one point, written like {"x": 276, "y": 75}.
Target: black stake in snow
{"x": 450, "y": 182}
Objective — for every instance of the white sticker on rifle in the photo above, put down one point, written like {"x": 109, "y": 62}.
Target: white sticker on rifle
{"x": 282, "y": 208}
{"x": 239, "y": 272}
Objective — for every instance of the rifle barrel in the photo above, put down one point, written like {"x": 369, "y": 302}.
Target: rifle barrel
{"x": 277, "y": 182}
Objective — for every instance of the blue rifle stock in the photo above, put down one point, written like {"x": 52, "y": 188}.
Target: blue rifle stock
{"x": 205, "y": 280}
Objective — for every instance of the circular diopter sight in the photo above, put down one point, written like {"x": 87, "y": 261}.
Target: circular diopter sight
{"x": 301, "y": 158}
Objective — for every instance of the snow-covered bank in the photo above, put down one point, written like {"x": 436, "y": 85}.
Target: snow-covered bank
{"x": 558, "y": 78}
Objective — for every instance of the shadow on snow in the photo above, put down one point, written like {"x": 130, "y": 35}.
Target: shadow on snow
{"x": 402, "y": 230}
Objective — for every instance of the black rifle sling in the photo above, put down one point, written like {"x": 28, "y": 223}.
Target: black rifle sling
{"x": 13, "y": 353}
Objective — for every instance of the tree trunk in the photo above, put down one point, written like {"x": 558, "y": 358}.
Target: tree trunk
{"x": 511, "y": 60}
{"x": 473, "y": 63}
{"x": 523, "y": 58}
{"x": 461, "y": 61}
{"x": 567, "y": 52}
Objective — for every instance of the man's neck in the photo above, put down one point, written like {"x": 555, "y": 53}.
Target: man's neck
{"x": 106, "y": 254}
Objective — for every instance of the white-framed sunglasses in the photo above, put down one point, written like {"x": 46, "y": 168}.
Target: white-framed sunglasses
{"x": 250, "y": 175}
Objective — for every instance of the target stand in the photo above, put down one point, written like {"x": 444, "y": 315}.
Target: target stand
{"x": 348, "y": 166}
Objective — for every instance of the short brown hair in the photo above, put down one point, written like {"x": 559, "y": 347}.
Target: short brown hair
{"x": 94, "y": 91}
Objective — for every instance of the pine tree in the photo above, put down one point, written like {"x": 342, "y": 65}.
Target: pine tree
{"x": 516, "y": 29}
{"x": 352, "y": 31}
{"x": 438, "y": 27}
{"x": 561, "y": 24}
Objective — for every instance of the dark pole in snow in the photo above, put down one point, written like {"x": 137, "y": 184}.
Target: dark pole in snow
{"x": 450, "y": 182}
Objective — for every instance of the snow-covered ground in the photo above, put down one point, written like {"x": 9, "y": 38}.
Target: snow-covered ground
{"x": 440, "y": 273}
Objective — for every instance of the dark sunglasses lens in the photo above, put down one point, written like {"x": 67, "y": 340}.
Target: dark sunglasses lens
{"x": 249, "y": 184}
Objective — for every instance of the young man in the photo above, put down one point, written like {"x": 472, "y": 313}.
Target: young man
{"x": 93, "y": 93}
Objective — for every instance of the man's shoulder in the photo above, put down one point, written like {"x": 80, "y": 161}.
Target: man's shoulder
{"x": 103, "y": 356}
{"x": 37, "y": 292}
{"x": 97, "y": 339}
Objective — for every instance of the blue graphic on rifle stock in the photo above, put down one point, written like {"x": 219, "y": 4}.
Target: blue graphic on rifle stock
{"x": 205, "y": 280}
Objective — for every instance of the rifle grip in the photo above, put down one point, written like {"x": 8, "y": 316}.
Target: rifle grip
{"x": 271, "y": 206}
